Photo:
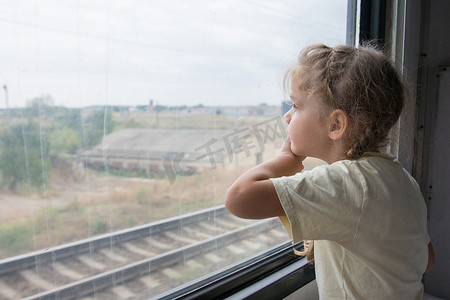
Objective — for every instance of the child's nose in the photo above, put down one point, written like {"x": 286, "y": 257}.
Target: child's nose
{"x": 287, "y": 116}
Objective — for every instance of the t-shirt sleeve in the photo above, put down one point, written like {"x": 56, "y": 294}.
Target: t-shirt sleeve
{"x": 324, "y": 203}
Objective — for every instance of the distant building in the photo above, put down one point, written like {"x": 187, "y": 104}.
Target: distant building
{"x": 261, "y": 110}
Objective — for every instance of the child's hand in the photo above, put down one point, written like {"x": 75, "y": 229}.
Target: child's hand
{"x": 253, "y": 195}
{"x": 286, "y": 149}
{"x": 287, "y": 162}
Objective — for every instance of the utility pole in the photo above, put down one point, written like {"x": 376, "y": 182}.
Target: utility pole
{"x": 5, "y": 87}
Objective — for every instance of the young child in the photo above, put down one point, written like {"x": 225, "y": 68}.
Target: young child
{"x": 364, "y": 212}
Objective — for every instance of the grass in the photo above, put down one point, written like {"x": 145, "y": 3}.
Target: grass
{"x": 78, "y": 207}
{"x": 15, "y": 236}
{"x": 120, "y": 207}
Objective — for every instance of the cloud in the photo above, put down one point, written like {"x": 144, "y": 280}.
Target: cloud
{"x": 176, "y": 52}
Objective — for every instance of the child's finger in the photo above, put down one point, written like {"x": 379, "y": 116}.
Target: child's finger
{"x": 286, "y": 145}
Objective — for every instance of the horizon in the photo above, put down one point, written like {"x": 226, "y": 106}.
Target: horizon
{"x": 200, "y": 105}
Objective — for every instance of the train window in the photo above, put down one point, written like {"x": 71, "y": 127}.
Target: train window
{"x": 122, "y": 124}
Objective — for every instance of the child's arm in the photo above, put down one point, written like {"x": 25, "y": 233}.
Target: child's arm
{"x": 253, "y": 195}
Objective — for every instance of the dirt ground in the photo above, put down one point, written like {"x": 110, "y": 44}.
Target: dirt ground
{"x": 92, "y": 203}
{"x": 64, "y": 189}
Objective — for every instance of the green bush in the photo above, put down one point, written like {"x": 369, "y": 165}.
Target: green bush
{"x": 98, "y": 226}
{"x": 64, "y": 140}
{"x": 24, "y": 157}
{"x": 97, "y": 125}
{"x": 15, "y": 237}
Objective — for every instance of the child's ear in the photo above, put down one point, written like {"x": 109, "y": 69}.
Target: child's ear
{"x": 338, "y": 121}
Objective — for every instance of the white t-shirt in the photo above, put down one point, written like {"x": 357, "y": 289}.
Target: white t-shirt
{"x": 368, "y": 219}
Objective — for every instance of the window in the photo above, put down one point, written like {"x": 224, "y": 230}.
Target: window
{"x": 123, "y": 123}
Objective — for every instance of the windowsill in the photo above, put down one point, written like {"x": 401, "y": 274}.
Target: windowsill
{"x": 276, "y": 273}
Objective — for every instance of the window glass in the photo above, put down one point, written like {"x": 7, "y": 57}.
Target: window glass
{"x": 123, "y": 123}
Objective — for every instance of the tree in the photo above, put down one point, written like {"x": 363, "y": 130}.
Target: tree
{"x": 40, "y": 106}
{"x": 64, "y": 140}
{"x": 24, "y": 156}
{"x": 97, "y": 125}
{"x": 67, "y": 132}
{"x": 71, "y": 118}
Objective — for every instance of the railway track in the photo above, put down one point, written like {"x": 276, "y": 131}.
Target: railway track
{"x": 140, "y": 262}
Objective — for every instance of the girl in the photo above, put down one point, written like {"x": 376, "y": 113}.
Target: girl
{"x": 364, "y": 212}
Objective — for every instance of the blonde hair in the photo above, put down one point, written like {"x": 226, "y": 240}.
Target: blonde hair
{"x": 363, "y": 82}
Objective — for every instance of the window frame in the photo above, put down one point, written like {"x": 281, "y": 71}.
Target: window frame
{"x": 277, "y": 272}
{"x": 261, "y": 276}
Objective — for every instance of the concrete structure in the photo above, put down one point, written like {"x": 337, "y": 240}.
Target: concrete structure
{"x": 149, "y": 149}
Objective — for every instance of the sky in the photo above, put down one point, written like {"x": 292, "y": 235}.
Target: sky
{"x": 174, "y": 52}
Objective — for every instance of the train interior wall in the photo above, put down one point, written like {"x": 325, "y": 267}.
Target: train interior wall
{"x": 435, "y": 97}
{"x": 427, "y": 63}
